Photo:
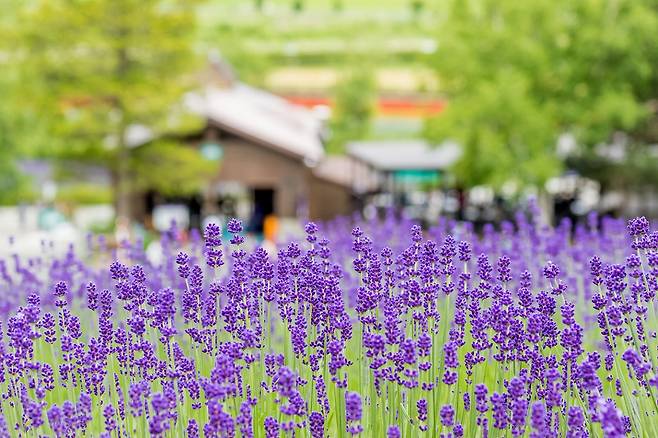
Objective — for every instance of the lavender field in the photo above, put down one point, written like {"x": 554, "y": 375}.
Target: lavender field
{"x": 363, "y": 328}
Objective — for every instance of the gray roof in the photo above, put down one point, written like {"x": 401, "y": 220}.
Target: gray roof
{"x": 348, "y": 172}
{"x": 263, "y": 117}
{"x": 393, "y": 155}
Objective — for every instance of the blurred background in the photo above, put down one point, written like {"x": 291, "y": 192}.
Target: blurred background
{"x": 121, "y": 116}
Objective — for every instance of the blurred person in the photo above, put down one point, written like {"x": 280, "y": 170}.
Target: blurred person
{"x": 270, "y": 228}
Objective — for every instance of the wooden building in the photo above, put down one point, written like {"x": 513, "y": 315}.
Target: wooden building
{"x": 270, "y": 160}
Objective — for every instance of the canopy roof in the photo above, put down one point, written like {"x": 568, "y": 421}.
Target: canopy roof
{"x": 394, "y": 155}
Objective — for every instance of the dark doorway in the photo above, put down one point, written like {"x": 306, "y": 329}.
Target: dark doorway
{"x": 263, "y": 207}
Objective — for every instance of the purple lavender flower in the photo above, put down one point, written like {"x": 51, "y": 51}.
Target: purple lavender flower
{"x": 393, "y": 432}
{"x": 447, "y": 416}
{"x": 110, "y": 422}
{"x": 234, "y": 226}
{"x": 271, "y": 428}
{"x": 213, "y": 245}
{"x": 638, "y": 226}
{"x": 404, "y": 312}
{"x": 182, "y": 260}
{"x": 192, "y": 429}
{"x": 316, "y": 420}
{"x": 353, "y": 411}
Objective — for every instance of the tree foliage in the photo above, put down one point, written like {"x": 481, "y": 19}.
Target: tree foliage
{"x": 12, "y": 183}
{"x": 179, "y": 168}
{"x": 10, "y": 179}
{"x": 94, "y": 68}
{"x": 354, "y": 108}
{"x": 518, "y": 75}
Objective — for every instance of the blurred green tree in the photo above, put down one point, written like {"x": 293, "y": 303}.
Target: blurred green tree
{"x": 17, "y": 128}
{"x": 518, "y": 75}
{"x": 10, "y": 179}
{"x": 354, "y": 107}
{"x": 297, "y": 6}
{"x": 417, "y": 7}
{"x": 180, "y": 163}
{"x": 13, "y": 185}
{"x": 96, "y": 69}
